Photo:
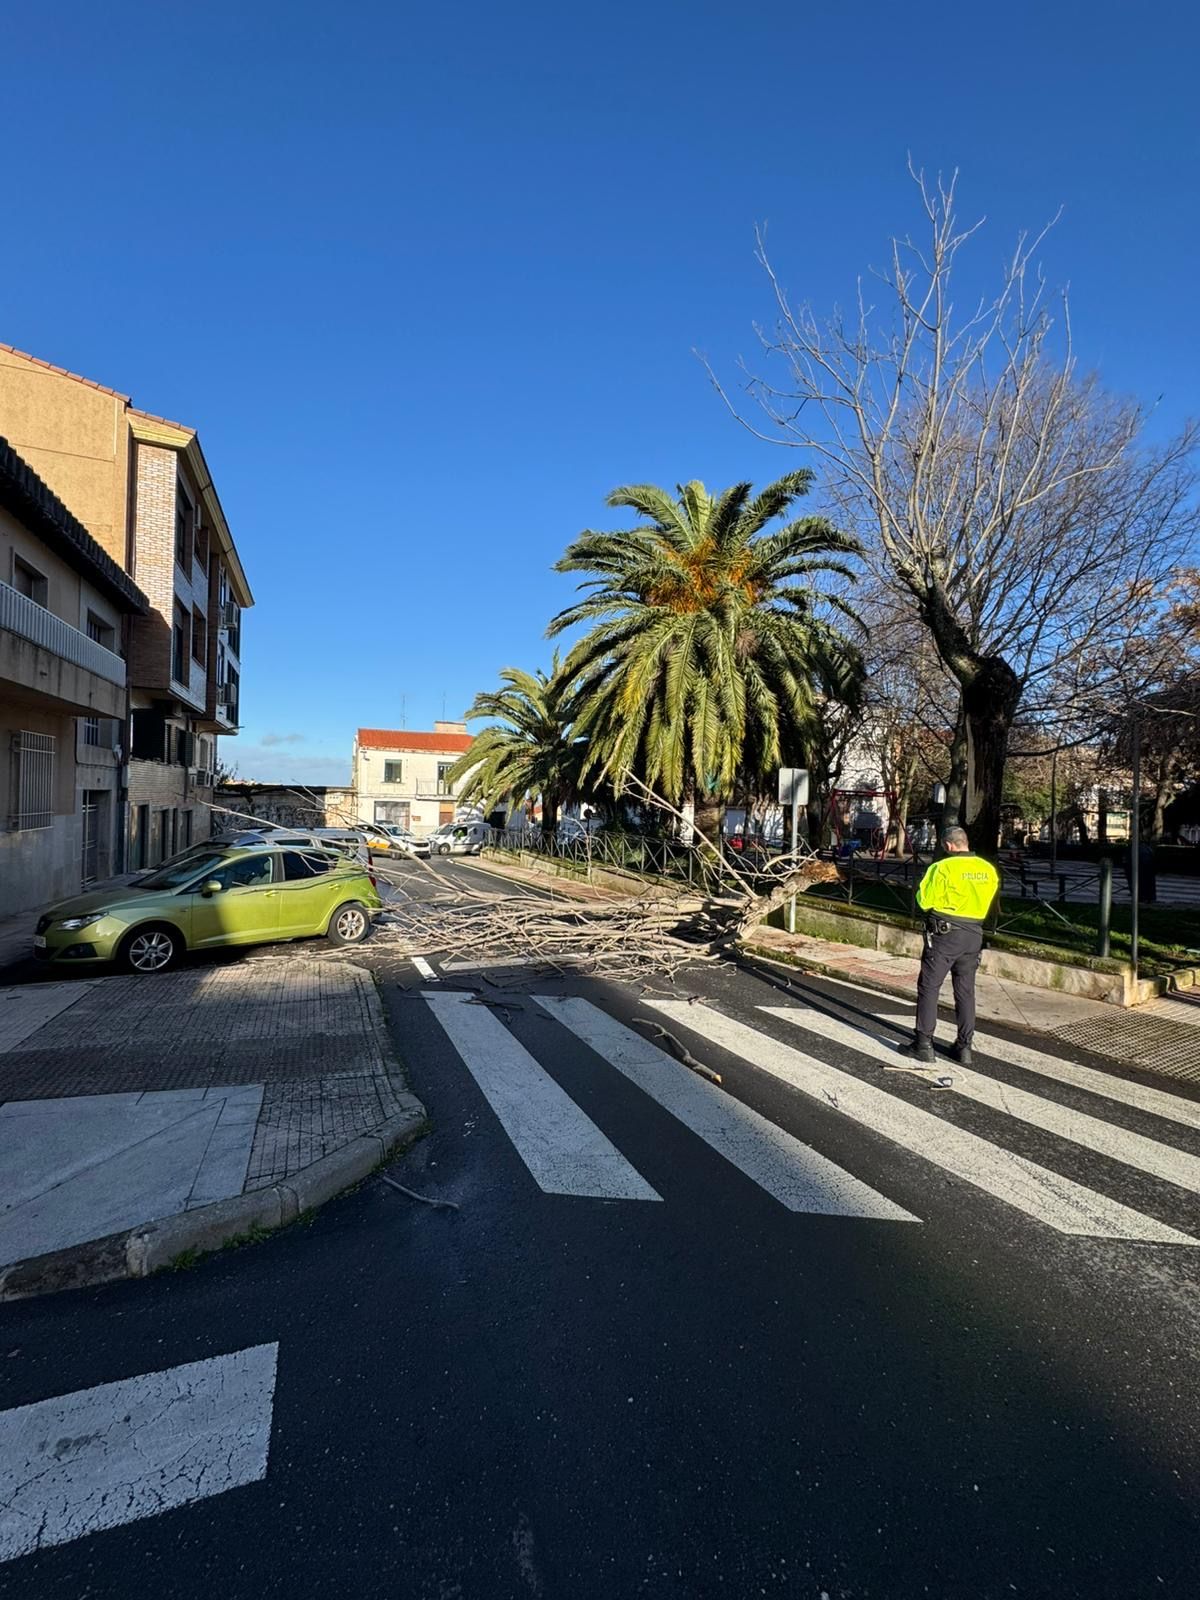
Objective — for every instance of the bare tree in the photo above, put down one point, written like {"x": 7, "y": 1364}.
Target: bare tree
{"x": 1013, "y": 504}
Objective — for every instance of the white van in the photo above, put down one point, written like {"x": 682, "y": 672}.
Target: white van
{"x": 459, "y": 839}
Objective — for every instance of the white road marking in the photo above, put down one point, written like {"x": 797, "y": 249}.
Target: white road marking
{"x": 792, "y": 1172}
{"x": 424, "y": 968}
{"x": 1159, "y": 1102}
{"x": 1093, "y": 1133}
{"x": 563, "y": 1149}
{"x": 101, "y": 1457}
{"x": 1044, "y": 1195}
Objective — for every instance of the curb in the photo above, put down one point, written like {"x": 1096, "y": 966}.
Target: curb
{"x": 151, "y": 1246}
{"x": 787, "y": 958}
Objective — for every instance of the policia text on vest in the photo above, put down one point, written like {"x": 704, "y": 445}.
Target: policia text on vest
{"x": 956, "y": 895}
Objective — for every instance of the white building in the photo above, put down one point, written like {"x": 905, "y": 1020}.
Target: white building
{"x": 402, "y": 776}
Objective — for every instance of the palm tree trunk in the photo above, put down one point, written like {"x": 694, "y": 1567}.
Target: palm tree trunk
{"x": 710, "y": 810}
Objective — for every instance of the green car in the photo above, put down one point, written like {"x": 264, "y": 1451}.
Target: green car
{"x": 210, "y": 897}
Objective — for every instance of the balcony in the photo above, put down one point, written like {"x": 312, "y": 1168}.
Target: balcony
{"x": 46, "y": 656}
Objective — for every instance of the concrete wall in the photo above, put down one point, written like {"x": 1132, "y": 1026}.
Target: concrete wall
{"x": 39, "y": 864}
{"x": 74, "y": 435}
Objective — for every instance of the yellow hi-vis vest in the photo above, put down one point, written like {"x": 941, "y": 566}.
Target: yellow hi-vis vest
{"x": 959, "y": 886}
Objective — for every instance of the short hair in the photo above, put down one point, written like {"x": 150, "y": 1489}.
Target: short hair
{"x": 956, "y": 836}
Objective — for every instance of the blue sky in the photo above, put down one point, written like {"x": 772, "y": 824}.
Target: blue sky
{"x": 428, "y": 280}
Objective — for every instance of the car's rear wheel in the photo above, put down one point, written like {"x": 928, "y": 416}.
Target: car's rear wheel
{"x": 349, "y": 924}
{"x": 150, "y": 949}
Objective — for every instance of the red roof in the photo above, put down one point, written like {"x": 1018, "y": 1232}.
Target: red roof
{"x": 404, "y": 739}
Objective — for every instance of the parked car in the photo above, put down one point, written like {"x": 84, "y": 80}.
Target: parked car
{"x": 350, "y": 841}
{"x": 210, "y": 897}
{"x": 459, "y": 839}
{"x": 401, "y": 841}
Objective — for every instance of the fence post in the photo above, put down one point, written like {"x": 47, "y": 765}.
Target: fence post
{"x": 1062, "y": 888}
{"x": 1102, "y": 940}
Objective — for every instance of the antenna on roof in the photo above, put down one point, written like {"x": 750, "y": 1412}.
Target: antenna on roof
{"x": 403, "y": 710}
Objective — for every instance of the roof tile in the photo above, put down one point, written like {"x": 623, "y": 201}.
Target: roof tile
{"x": 405, "y": 739}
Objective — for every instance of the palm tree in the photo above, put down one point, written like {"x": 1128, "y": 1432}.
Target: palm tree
{"x": 706, "y": 654}
{"x": 529, "y": 749}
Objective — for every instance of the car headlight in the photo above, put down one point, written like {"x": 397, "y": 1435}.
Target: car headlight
{"x": 72, "y": 923}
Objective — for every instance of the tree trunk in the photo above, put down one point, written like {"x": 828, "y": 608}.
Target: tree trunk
{"x": 549, "y": 815}
{"x": 709, "y": 812}
{"x": 956, "y": 781}
{"x": 990, "y": 698}
{"x": 1162, "y": 797}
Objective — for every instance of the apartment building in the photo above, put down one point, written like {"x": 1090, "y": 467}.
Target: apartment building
{"x": 65, "y": 612}
{"x": 141, "y": 487}
{"x": 403, "y": 776}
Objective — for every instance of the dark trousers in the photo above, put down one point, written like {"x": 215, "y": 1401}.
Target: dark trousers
{"x": 957, "y": 953}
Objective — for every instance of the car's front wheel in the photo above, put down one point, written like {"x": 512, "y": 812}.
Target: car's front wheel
{"x": 349, "y": 924}
{"x": 443, "y": 849}
{"x": 151, "y": 949}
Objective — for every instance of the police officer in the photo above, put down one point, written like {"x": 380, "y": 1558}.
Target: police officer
{"x": 956, "y": 895}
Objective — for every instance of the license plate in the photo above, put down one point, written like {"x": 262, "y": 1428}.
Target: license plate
{"x": 39, "y": 941}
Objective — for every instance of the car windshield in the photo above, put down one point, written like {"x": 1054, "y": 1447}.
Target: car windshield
{"x": 176, "y": 873}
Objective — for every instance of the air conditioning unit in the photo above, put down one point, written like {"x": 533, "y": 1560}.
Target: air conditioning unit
{"x": 229, "y": 615}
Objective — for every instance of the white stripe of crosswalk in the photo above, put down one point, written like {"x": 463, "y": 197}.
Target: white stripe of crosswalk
{"x": 1093, "y": 1133}
{"x": 563, "y": 1149}
{"x": 1160, "y": 1102}
{"x": 1047, "y": 1196}
{"x": 98, "y": 1458}
{"x": 792, "y": 1172}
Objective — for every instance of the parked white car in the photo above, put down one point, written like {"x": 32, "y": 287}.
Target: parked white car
{"x": 459, "y": 839}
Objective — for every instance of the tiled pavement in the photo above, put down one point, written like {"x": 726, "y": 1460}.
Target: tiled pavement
{"x": 147, "y": 1084}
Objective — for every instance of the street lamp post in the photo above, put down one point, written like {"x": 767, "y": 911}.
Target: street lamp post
{"x": 1135, "y": 836}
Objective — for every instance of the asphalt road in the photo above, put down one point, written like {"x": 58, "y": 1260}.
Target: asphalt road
{"x": 710, "y": 1386}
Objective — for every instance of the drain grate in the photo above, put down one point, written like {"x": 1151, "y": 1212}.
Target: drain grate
{"x": 1172, "y": 1048}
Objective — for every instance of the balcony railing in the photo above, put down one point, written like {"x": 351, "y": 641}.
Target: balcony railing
{"x": 26, "y": 618}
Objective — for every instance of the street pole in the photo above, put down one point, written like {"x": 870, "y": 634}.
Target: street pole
{"x": 795, "y": 844}
{"x": 1054, "y": 813}
{"x": 1135, "y": 840}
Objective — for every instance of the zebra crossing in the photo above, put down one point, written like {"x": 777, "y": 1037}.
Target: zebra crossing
{"x": 566, "y": 1153}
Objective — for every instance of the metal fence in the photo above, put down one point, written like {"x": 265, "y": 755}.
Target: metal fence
{"x": 623, "y": 852}
{"x": 891, "y": 885}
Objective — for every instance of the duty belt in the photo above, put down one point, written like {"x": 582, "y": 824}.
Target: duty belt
{"x": 940, "y": 922}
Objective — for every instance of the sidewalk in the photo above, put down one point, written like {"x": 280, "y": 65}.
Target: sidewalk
{"x": 146, "y": 1119}
{"x": 1162, "y": 1037}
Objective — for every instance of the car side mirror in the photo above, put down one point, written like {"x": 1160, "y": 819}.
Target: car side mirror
{"x": 210, "y": 888}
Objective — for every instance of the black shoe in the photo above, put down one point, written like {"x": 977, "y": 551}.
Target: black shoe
{"x": 962, "y": 1054}
{"x": 919, "y": 1050}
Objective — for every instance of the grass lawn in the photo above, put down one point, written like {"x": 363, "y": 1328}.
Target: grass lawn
{"x": 1168, "y": 936}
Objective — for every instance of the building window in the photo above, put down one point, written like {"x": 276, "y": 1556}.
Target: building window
{"x": 179, "y": 644}
{"x": 183, "y": 529}
{"x": 32, "y": 780}
{"x": 200, "y": 546}
{"x": 185, "y": 829}
{"x": 397, "y": 812}
{"x": 101, "y": 631}
{"x": 444, "y": 786}
{"x": 91, "y": 730}
{"x": 199, "y": 637}
{"x": 393, "y": 772}
{"x": 30, "y": 582}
